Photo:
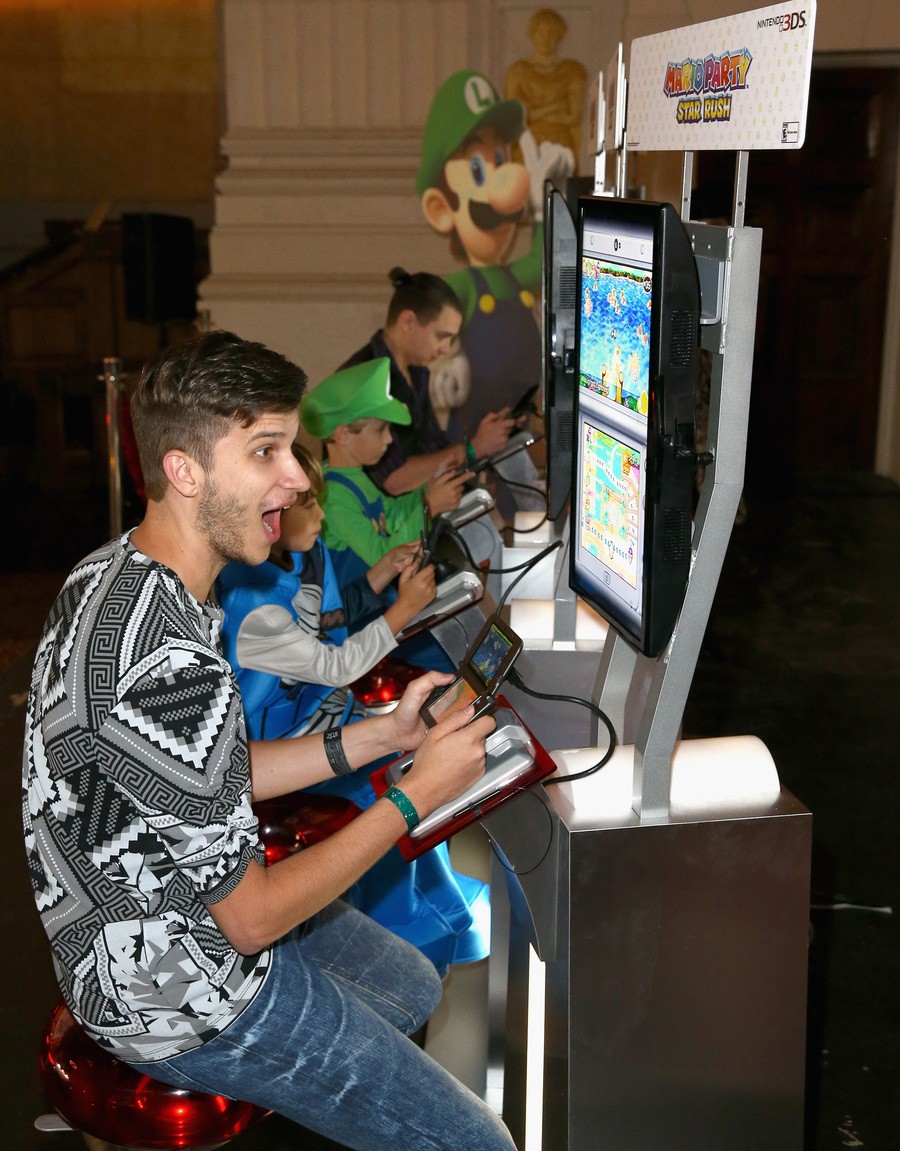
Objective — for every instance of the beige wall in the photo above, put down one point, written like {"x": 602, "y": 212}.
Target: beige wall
{"x": 119, "y": 100}
{"x": 105, "y": 100}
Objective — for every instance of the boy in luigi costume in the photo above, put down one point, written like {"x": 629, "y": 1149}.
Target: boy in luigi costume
{"x": 472, "y": 191}
{"x": 351, "y": 411}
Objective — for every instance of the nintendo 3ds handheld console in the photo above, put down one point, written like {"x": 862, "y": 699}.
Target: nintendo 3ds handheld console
{"x": 460, "y": 589}
{"x": 473, "y": 503}
{"x": 458, "y": 584}
{"x": 516, "y": 443}
{"x": 487, "y": 662}
{"x": 514, "y": 758}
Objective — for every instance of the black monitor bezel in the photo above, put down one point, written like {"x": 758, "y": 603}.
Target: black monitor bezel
{"x": 668, "y": 493}
{"x": 557, "y": 363}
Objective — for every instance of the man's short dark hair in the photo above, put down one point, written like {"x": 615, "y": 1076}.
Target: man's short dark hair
{"x": 192, "y": 394}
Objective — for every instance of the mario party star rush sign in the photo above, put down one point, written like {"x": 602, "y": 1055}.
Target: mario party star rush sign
{"x": 738, "y": 83}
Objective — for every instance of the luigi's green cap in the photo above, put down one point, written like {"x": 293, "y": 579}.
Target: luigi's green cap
{"x": 358, "y": 393}
{"x": 463, "y": 102}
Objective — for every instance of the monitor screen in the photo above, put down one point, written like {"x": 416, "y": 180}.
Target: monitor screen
{"x": 636, "y": 345}
{"x": 488, "y": 658}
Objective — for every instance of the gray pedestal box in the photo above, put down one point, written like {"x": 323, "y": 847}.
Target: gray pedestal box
{"x": 676, "y": 962}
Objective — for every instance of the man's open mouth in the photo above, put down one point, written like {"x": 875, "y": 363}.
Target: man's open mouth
{"x": 272, "y": 520}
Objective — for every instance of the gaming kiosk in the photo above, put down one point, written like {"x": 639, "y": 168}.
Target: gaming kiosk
{"x": 648, "y": 975}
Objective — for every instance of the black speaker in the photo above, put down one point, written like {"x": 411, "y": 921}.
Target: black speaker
{"x": 158, "y": 264}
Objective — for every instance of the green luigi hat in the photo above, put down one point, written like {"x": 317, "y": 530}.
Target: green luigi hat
{"x": 463, "y": 102}
{"x": 358, "y": 393}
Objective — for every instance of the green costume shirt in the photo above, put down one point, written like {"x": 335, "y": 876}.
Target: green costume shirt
{"x": 368, "y": 531}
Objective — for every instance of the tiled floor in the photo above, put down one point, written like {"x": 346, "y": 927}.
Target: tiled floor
{"x": 803, "y": 650}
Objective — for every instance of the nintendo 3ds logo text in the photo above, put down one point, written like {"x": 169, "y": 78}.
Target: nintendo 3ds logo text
{"x": 787, "y": 21}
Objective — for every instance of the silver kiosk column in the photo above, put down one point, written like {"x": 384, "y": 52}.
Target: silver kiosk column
{"x": 649, "y": 990}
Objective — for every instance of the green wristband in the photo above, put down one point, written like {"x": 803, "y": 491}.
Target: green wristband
{"x": 404, "y": 805}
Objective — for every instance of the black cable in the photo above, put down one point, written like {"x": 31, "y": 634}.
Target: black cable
{"x": 515, "y": 483}
{"x": 527, "y": 566}
{"x": 498, "y": 852}
{"x": 495, "y": 468}
{"x": 459, "y": 623}
{"x": 515, "y": 679}
{"x": 501, "y": 571}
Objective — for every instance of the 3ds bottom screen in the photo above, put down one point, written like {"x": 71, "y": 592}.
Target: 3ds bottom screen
{"x": 458, "y": 695}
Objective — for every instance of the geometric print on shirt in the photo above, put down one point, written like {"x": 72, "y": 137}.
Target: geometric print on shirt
{"x": 136, "y": 801}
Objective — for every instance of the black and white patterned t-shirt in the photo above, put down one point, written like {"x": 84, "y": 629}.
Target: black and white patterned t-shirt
{"x": 137, "y": 807}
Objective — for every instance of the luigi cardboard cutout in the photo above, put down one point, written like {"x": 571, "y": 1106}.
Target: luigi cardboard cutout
{"x": 472, "y": 191}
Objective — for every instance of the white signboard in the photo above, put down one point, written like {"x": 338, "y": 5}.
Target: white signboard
{"x": 739, "y": 83}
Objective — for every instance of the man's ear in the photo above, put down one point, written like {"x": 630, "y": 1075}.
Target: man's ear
{"x": 437, "y": 211}
{"x": 340, "y": 435}
{"x": 407, "y": 320}
{"x": 183, "y": 473}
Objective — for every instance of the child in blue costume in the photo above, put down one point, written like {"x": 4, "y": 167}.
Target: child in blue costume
{"x": 286, "y": 632}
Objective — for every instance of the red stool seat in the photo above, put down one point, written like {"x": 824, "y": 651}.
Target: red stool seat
{"x": 300, "y": 819}
{"x": 105, "y": 1098}
{"x": 379, "y": 690}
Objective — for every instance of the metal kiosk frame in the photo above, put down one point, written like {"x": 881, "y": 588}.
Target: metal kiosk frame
{"x": 648, "y": 988}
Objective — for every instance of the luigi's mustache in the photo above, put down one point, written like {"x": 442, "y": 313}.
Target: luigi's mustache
{"x": 486, "y": 219}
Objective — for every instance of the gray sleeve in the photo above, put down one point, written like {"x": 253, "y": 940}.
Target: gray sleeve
{"x": 270, "y": 640}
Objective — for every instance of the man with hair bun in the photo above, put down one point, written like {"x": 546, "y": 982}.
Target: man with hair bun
{"x": 422, "y": 325}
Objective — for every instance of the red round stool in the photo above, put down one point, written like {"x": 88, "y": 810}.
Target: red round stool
{"x": 114, "y": 1106}
{"x": 300, "y": 819}
{"x": 379, "y": 690}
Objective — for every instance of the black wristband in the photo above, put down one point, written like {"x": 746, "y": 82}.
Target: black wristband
{"x": 334, "y": 749}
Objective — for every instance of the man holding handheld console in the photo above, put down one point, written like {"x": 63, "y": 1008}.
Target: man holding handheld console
{"x": 423, "y": 322}
{"x": 487, "y": 664}
{"x": 175, "y": 947}
{"x": 514, "y": 760}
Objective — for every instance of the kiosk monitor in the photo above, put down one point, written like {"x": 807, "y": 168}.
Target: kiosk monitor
{"x": 636, "y": 344}
{"x": 558, "y": 299}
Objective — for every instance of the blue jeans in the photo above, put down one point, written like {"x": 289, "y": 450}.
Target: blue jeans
{"x": 325, "y": 1044}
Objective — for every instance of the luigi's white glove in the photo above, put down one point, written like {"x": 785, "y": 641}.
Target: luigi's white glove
{"x": 546, "y": 161}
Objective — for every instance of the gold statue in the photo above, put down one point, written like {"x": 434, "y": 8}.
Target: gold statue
{"x": 551, "y": 90}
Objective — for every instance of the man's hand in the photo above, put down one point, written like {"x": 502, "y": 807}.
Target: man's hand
{"x": 492, "y": 433}
{"x": 450, "y": 759}
{"x": 409, "y": 727}
{"x": 443, "y": 493}
{"x": 269, "y": 901}
{"x": 544, "y": 161}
